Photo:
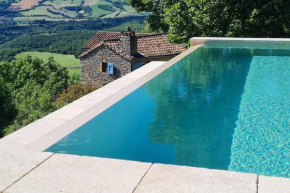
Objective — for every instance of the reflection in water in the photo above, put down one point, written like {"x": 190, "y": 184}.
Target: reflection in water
{"x": 186, "y": 115}
{"x": 197, "y": 102}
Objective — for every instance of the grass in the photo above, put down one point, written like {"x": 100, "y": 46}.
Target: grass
{"x": 64, "y": 60}
{"x": 67, "y": 2}
{"x": 73, "y": 71}
{"x": 39, "y": 11}
{"x": 127, "y": 14}
{"x": 129, "y": 9}
{"x": 111, "y": 15}
{"x": 97, "y": 12}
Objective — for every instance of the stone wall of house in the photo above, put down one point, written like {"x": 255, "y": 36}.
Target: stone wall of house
{"x": 91, "y": 67}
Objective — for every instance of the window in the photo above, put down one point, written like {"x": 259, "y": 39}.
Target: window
{"x": 135, "y": 66}
{"x": 104, "y": 66}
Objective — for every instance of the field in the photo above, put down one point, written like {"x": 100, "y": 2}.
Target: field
{"x": 55, "y": 10}
{"x": 64, "y": 60}
{"x": 23, "y": 5}
{"x": 41, "y": 11}
{"x": 73, "y": 71}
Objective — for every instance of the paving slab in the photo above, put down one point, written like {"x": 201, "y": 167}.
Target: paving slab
{"x": 69, "y": 173}
{"x": 15, "y": 163}
{"x": 136, "y": 75}
{"x": 65, "y": 113}
{"x": 89, "y": 101}
{"x": 121, "y": 83}
{"x": 33, "y": 131}
{"x": 273, "y": 185}
{"x": 9, "y": 146}
{"x": 169, "y": 178}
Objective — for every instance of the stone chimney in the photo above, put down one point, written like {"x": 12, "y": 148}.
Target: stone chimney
{"x": 128, "y": 41}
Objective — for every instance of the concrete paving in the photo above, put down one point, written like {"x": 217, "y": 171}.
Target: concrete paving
{"x": 9, "y": 147}
{"x": 14, "y": 164}
{"x": 68, "y": 173}
{"x": 33, "y": 131}
{"x": 169, "y": 178}
{"x": 66, "y": 113}
{"x": 273, "y": 185}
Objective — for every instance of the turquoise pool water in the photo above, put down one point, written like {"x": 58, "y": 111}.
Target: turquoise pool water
{"x": 219, "y": 107}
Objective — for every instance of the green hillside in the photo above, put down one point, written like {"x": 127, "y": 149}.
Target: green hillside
{"x": 56, "y": 10}
{"x": 68, "y": 61}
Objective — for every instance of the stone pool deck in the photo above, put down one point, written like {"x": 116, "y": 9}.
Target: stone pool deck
{"x": 25, "y": 168}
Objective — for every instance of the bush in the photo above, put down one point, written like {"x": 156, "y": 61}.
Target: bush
{"x": 73, "y": 93}
{"x": 30, "y": 89}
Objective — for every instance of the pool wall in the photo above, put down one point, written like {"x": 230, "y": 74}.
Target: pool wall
{"x": 25, "y": 168}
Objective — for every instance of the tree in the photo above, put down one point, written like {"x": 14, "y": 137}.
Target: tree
{"x": 7, "y": 110}
{"x": 32, "y": 86}
{"x": 187, "y": 18}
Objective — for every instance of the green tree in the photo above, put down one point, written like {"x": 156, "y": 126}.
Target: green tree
{"x": 188, "y": 18}
{"x": 7, "y": 110}
{"x": 34, "y": 85}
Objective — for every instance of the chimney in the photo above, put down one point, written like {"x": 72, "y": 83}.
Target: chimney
{"x": 128, "y": 41}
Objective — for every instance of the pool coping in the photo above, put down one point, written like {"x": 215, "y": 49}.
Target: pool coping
{"x": 30, "y": 141}
{"x": 202, "y": 40}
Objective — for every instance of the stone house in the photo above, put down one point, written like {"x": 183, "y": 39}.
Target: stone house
{"x": 110, "y": 55}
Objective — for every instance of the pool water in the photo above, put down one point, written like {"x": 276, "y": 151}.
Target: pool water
{"x": 219, "y": 107}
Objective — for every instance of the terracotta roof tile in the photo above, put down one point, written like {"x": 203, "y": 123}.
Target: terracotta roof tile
{"x": 105, "y": 35}
{"x": 148, "y": 45}
{"x": 157, "y": 45}
{"x": 100, "y": 37}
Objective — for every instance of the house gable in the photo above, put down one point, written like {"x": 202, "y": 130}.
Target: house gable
{"x": 91, "y": 65}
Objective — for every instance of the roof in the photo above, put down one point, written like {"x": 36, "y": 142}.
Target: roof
{"x": 105, "y": 35}
{"x": 148, "y": 45}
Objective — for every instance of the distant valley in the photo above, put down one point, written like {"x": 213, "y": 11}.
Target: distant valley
{"x": 60, "y": 26}
{"x": 64, "y": 10}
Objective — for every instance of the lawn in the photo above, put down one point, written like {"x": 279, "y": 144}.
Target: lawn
{"x": 97, "y": 12}
{"x": 111, "y": 15}
{"x": 64, "y": 60}
{"x": 67, "y": 3}
{"x": 57, "y": 10}
{"x": 129, "y": 9}
{"x": 73, "y": 71}
{"x": 39, "y": 11}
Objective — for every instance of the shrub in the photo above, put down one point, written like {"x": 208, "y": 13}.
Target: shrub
{"x": 73, "y": 93}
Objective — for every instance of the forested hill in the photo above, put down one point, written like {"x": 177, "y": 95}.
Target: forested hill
{"x": 57, "y": 37}
{"x": 59, "y": 10}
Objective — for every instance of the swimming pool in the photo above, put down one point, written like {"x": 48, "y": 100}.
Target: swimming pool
{"x": 221, "y": 107}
